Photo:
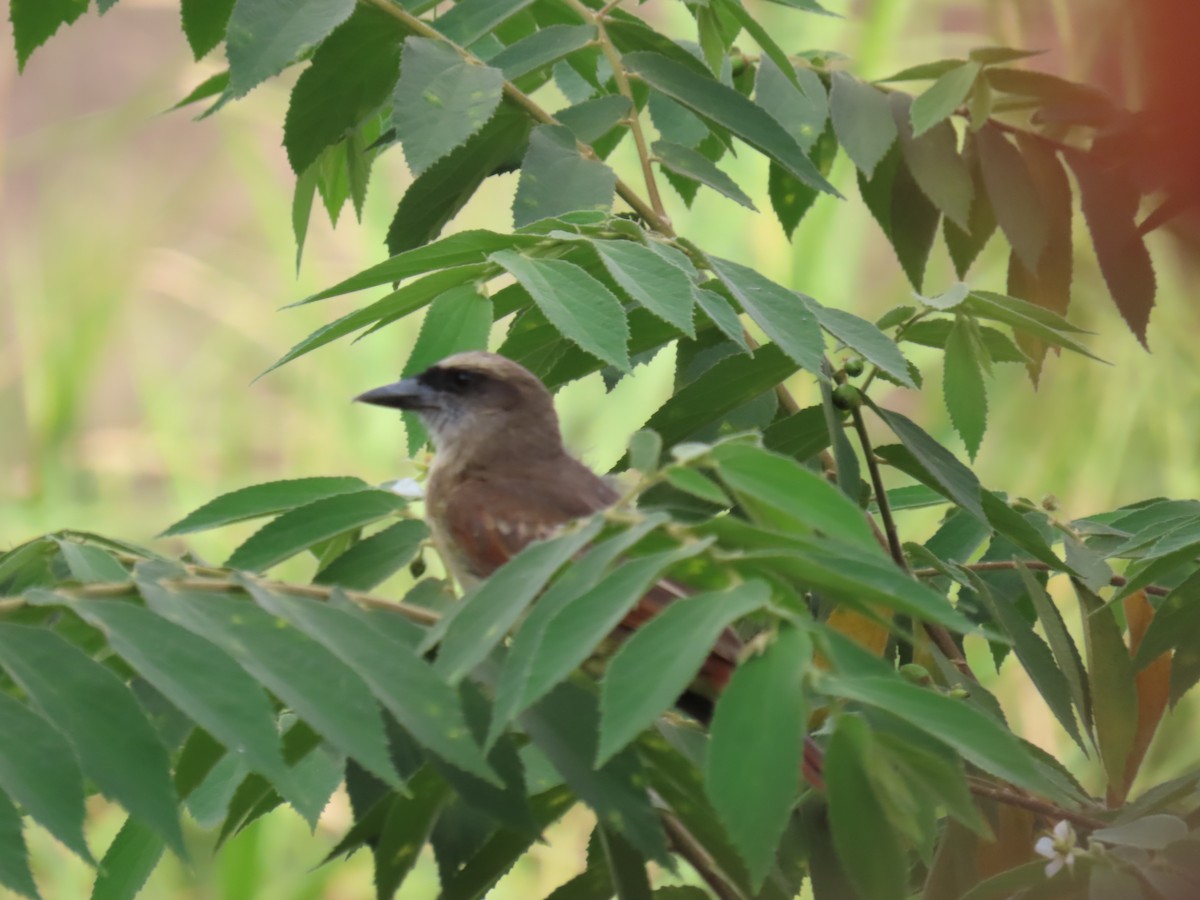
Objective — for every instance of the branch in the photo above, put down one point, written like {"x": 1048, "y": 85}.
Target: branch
{"x": 689, "y": 848}
{"x": 419, "y": 26}
{"x": 1002, "y": 565}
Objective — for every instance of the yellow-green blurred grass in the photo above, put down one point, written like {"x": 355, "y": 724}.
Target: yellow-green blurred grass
{"x": 143, "y": 257}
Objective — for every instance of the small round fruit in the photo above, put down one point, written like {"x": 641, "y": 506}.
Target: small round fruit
{"x": 847, "y": 396}
{"x": 853, "y": 366}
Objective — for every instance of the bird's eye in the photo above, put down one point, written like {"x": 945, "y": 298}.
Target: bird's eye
{"x": 461, "y": 380}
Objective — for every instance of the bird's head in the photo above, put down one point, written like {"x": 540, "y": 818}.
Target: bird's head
{"x": 477, "y": 400}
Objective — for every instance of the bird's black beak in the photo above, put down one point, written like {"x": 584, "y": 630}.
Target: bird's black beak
{"x": 408, "y": 393}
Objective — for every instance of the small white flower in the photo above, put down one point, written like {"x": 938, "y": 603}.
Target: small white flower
{"x": 406, "y": 487}
{"x": 1060, "y": 849}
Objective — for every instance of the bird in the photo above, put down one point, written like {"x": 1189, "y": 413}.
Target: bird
{"x": 502, "y": 478}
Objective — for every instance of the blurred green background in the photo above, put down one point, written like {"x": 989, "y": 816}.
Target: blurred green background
{"x": 144, "y": 256}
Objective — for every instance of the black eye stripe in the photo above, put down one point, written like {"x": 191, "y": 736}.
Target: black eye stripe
{"x": 452, "y": 380}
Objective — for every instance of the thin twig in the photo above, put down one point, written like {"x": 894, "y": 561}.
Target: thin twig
{"x": 1044, "y": 808}
{"x": 689, "y": 848}
{"x": 419, "y": 26}
{"x": 1002, "y": 565}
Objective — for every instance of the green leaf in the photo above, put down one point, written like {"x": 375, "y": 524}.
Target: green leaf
{"x": 406, "y": 830}
{"x": 963, "y": 386}
{"x": 541, "y": 48}
{"x": 299, "y": 671}
{"x": 300, "y": 528}
{"x": 943, "y": 97}
{"x": 117, "y": 748}
{"x": 469, "y": 20}
{"x": 932, "y": 159}
{"x": 781, "y": 313}
{"x": 373, "y": 560}
{"x": 593, "y": 119}
{"x": 564, "y": 727}
{"x": 691, "y": 164}
{"x": 204, "y": 23}
{"x": 1175, "y": 622}
{"x": 866, "y": 842}
{"x": 352, "y": 74}
{"x": 263, "y": 500}
{"x": 626, "y": 867}
{"x": 719, "y": 311}
{"x": 1022, "y": 316}
{"x": 482, "y": 620}
{"x": 811, "y": 502}
{"x": 959, "y": 482}
{"x": 728, "y": 385}
{"x": 557, "y": 179}
{"x": 89, "y": 563}
{"x": 801, "y": 435}
{"x": 1154, "y": 832}
{"x": 697, "y": 484}
{"x": 302, "y": 201}
{"x": 440, "y": 101}
{"x": 648, "y": 278}
{"x": 1013, "y": 195}
{"x": 753, "y": 784}
{"x": 35, "y": 21}
{"x": 726, "y": 107}
{"x": 128, "y": 862}
{"x": 796, "y": 98}
{"x": 907, "y": 217}
{"x": 583, "y": 575}
{"x": 862, "y": 119}
{"x": 39, "y": 770}
{"x": 1035, "y": 657}
{"x": 1110, "y": 205}
{"x": 1110, "y": 685}
{"x": 202, "y": 681}
{"x": 1066, "y": 654}
{"x": 578, "y": 305}
{"x": 996, "y": 55}
{"x": 935, "y": 333}
{"x": 457, "y": 320}
{"x": 584, "y": 620}
{"x": 14, "y": 857}
{"x": 966, "y": 244}
{"x": 790, "y": 198}
{"x": 977, "y": 737}
{"x": 864, "y": 338}
{"x": 266, "y": 36}
{"x": 655, "y": 666}
{"x": 930, "y": 71}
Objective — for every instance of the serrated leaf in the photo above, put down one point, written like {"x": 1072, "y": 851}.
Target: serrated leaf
{"x": 721, "y": 313}
{"x": 712, "y": 100}
{"x": 14, "y": 857}
{"x": 89, "y": 563}
{"x": 300, "y": 528}
{"x": 790, "y": 198}
{"x": 556, "y": 178}
{"x": 753, "y": 784}
{"x": 654, "y": 667}
{"x": 209, "y": 87}
{"x": 130, "y": 858}
{"x": 810, "y": 502}
{"x": 1026, "y": 317}
{"x": 440, "y": 101}
{"x": 862, "y": 118}
{"x": 371, "y": 561}
{"x": 966, "y": 244}
{"x": 691, "y": 164}
{"x": 321, "y": 690}
{"x": 578, "y": 305}
{"x": 1111, "y": 686}
{"x": 932, "y": 159}
{"x": 963, "y": 386}
{"x": 405, "y": 831}
{"x": 977, "y": 737}
{"x": 265, "y": 36}
{"x": 796, "y": 98}
{"x": 469, "y": 20}
{"x": 541, "y": 48}
{"x": 204, "y": 23}
{"x": 1110, "y": 204}
{"x": 959, "y": 482}
{"x": 995, "y": 55}
{"x": 935, "y": 332}
{"x": 352, "y": 73}
{"x": 262, "y": 500}
{"x": 865, "y": 339}
{"x": 904, "y": 213}
{"x": 586, "y": 619}
{"x": 781, "y": 313}
{"x": 116, "y": 745}
{"x": 564, "y": 727}
{"x": 39, "y": 770}
{"x": 929, "y": 71}
{"x": 867, "y": 845}
{"x": 648, "y": 278}
{"x": 592, "y": 119}
{"x": 482, "y": 620}
{"x": 943, "y": 97}
{"x": 1013, "y": 195}
{"x": 35, "y": 21}
{"x": 1066, "y": 654}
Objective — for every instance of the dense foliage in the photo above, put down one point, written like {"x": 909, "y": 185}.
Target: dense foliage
{"x": 854, "y": 747}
